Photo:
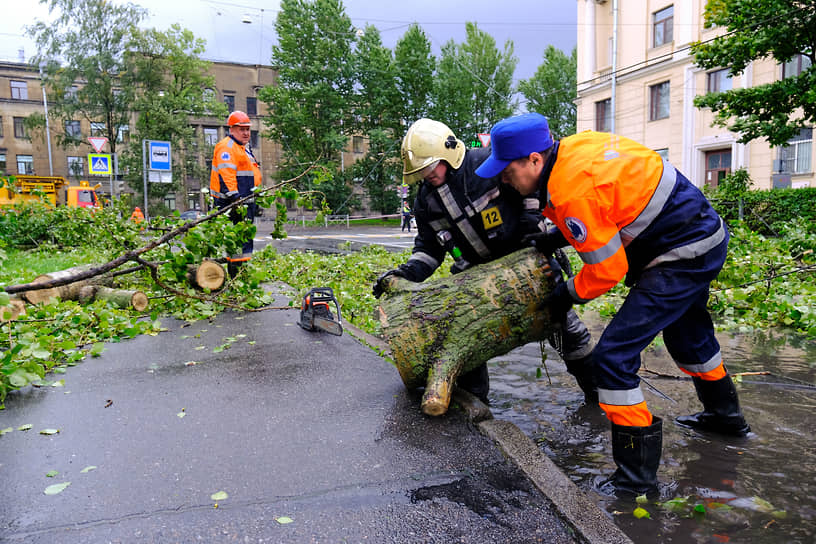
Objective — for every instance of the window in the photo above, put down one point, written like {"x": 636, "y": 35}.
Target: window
{"x": 76, "y": 166}
{"x": 19, "y": 90}
{"x": 1, "y": 126}
{"x": 796, "y": 156}
{"x": 25, "y": 164}
{"x": 208, "y": 95}
{"x": 252, "y": 105}
{"x": 98, "y": 129}
{"x": 662, "y": 26}
{"x": 718, "y": 165}
{"x": 664, "y": 153}
{"x": 211, "y": 135}
{"x": 253, "y": 139}
{"x": 72, "y": 130}
{"x": 2, "y": 163}
{"x": 71, "y": 94}
{"x": 719, "y": 81}
{"x": 603, "y": 115}
{"x": 170, "y": 201}
{"x": 19, "y": 128}
{"x": 795, "y": 66}
{"x": 229, "y": 100}
{"x": 357, "y": 144}
{"x": 659, "y": 101}
{"x": 123, "y": 134}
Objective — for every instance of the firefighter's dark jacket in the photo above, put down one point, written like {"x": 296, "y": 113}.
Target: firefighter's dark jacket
{"x": 486, "y": 218}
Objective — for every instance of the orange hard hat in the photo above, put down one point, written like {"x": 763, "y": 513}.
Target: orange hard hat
{"x": 238, "y": 118}
{"x": 137, "y": 209}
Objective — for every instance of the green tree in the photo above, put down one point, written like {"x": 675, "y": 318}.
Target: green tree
{"x": 377, "y": 108}
{"x": 474, "y": 83}
{"x": 757, "y": 29}
{"x": 552, "y": 90}
{"x": 86, "y": 43}
{"x": 414, "y": 66}
{"x": 312, "y": 101}
{"x": 168, "y": 79}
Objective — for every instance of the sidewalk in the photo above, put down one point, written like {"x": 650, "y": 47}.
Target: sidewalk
{"x": 312, "y": 437}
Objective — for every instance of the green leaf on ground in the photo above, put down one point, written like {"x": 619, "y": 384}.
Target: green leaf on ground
{"x": 6, "y": 430}
{"x": 56, "y": 488}
{"x": 49, "y": 431}
{"x": 51, "y": 473}
{"x": 219, "y": 496}
{"x": 283, "y": 520}
{"x": 26, "y": 427}
{"x": 641, "y": 513}
{"x": 97, "y": 349}
{"x": 87, "y": 469}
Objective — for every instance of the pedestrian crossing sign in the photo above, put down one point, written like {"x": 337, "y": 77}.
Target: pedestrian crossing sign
{"x": 99, "y": 164}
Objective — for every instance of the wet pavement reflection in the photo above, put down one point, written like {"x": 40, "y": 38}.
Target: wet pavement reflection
{"x": 713, "y": 489}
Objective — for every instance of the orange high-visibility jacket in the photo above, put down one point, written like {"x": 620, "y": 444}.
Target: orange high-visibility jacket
{"x": 624, "y": 209}
{"x": 234, "y": 170}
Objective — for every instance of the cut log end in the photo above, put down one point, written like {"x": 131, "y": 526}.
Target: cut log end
{"x": 207, "y": 275}
{"x": 12, "y": 311}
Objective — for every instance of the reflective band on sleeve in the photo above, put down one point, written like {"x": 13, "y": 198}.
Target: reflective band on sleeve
{"x": 439, "y": 224}
{"x": 702, "y": 368}
{"x": 245, "y": 173}
{"x": 661, "y": 194}
{"x": 481, "y": 203}
{"x": 627, "y": 397}
{"x": 692, "y": 250}
{"x": 425, "y": 258}
{"x": 225, "y": 165}
{"x": 230, "y": 142}
{"x": 574, "y": 294}
{"x": 602, "y": 253}
{"x": 216, "y": 194}
{"x": 531, "y": 204}
{"x": 473, "y": 238}
{"x": 454, "y": 211}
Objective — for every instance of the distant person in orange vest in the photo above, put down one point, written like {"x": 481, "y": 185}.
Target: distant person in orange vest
{"x": 235, "y": 173}
{"x": 629, "y": 214}
{"x": 137, "y": 216}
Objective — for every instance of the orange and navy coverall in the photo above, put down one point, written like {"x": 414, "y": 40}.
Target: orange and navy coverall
{"x": 630, "y": 213}
{"x": 235, "y": 172}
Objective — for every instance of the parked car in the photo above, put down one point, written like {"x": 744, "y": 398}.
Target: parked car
{"x": 191, "y": 215}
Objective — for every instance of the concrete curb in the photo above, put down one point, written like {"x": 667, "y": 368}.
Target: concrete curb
{"x": 574, "y": 506}
{"x": 583, "y": 515}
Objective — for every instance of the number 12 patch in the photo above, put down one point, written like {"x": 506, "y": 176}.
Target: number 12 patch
{"x": 491, "y": 218}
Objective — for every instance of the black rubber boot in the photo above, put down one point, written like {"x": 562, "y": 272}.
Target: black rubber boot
{"x": 721, "y": 410}
{"x": 477, "y": 382}
{"x": 583, "y": 370}
{"x": 636, "y": 451}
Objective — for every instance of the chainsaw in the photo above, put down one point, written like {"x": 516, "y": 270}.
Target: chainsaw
{"x": 315, "y": 313}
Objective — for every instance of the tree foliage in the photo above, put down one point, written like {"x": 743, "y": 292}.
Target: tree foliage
{"x": 759, "y": 29}
{"x": 311, "y": 103}
{"x": 553, "y": 89}
{"x": 87, "y": 42}
{"x": 415, "y": 67}
{"x": 474, "y": 83}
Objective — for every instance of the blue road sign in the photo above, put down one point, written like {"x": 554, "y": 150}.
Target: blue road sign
{"x": 99, "y": 164}
{"x": 158, "y": 154}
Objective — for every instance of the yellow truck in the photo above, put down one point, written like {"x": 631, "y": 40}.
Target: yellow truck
{"x": 55, "y": 189}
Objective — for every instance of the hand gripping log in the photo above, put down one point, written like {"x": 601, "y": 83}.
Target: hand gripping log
{"x": 440, "y": 329}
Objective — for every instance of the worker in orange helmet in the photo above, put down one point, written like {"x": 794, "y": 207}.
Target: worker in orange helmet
{"x": 629, "y": 213}
{"x": 235, "y": 173}
{"x": 137, "y": 216}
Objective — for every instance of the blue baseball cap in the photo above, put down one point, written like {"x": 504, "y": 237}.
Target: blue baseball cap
{"x": 514, "y": 138}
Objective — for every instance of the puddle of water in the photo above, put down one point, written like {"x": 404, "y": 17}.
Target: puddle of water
{"x": 766, "y": 481}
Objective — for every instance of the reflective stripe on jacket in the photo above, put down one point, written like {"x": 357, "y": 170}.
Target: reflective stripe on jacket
{"x": 624, "y": 209}
{"x": 234, "y": 170}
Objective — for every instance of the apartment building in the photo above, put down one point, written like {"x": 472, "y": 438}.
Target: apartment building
{"x": 636, "y": 78}
{"x": 21, "y": 95}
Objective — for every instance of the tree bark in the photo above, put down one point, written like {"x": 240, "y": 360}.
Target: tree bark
{"x": 122, "y": 298}
{"x": 207, "y": 275}
{"x": 68, "y": 291}
{"x": 440, "y": 329}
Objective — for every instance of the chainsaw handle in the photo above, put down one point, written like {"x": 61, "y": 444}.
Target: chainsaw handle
{"x": 324, "y": 294}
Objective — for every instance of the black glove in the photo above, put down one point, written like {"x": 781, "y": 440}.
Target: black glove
{"x": 546, "y": 242}
{"x": 379, "y": 286}
{"x": 558, "y": 303}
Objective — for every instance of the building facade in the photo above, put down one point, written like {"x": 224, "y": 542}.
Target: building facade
{"x": 637, "y": 79}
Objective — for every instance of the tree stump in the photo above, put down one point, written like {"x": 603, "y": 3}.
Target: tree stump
{"x": 440, "y": 329}
{"x": 207, "y": 275}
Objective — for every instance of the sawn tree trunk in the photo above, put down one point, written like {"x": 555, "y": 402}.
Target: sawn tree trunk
{"x": 440, "y": 329}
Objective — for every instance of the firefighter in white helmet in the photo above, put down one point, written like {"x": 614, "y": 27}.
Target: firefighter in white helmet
{"x": 475, "y": 220}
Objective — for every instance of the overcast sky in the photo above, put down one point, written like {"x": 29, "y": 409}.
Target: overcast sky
{"x": 530, "y": 24}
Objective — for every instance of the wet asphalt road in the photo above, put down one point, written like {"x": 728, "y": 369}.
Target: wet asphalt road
{"x": 290, "y": 424}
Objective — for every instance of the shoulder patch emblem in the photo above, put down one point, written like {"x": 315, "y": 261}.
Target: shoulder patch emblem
{"x": 225, "y": 156}
{"x": 577, "y": 229}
